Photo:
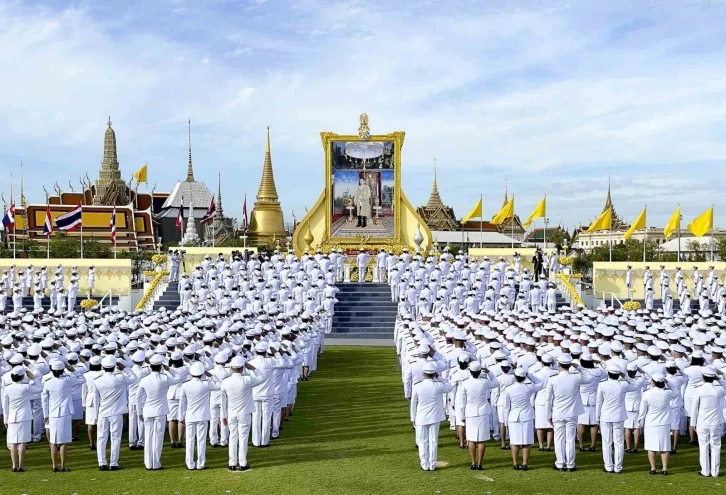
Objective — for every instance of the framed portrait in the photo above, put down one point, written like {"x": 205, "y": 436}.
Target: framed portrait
{"x": 362, "y": 184}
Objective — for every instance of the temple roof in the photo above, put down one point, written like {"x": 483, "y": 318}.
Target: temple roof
{"x": 435, "y": 199}
{"x": 617, "y": 222}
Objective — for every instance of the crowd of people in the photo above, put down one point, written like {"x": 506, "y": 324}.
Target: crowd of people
{"x": 207, "y": 373}
{"x": 555, "y": 377}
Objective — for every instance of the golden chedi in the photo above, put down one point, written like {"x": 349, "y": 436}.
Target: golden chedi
{"x": 267, "y": 221}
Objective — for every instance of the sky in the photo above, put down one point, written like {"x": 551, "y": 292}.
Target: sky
{"x": 540, "y": 97}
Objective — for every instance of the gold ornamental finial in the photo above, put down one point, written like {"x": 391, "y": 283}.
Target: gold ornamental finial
{"x": 190, "y": 169}
{"x": 267, "y": 192}
{"x": 364, "y": 131}
{"x": 308, "y": 239}
{"x": 435, "y": 200}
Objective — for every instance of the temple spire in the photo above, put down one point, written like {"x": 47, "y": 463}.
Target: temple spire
{"x": 220, "y": 213}
{"x": 22, "y": 189}
{"x": 506, "y": 198}
{"x": 435, "y": 198}
{"x": 190, "y": 169}
{"x": 110, "y": 189}
{"x": 267, "y": 192}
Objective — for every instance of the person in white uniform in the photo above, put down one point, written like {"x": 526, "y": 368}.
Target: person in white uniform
{"x": 109, "y": 389}
{"x": 519, "y": 413}
{"x": 611, "y": 414}
{"x": 57, "y": 403}
{"x": 707, "y": 418}
{"x": 472, "y": 401}
{"x": 18, "y": 416}
{"x": 564, "y": 405}
{"x": 427, "y": 413}
{"x": 655, "y": 419}
{"x": 194, "y": 413}
{"x": 237, "y": 408}
{"x": 153, "y": 408}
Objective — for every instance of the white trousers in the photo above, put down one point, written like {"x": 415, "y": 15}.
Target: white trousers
{"x": 276, "y": 415}
{"x": 216, "y": 425}
{"x": 261, "y": 421}
{"x": 38, "y": 420}
{"x": 382, "y": 272}
{"x": 427, "y": 439}
{"x": 565, "y": 435}
{"x": 613, "y": 434}
{"x": 362, "y": 273}
{"x": 709, "y": 447}
{"x": 136, "y": 427}
{"x": 239, "y": 435}
{"x": 154, "y": 429}
{"x": 196, "y": 431}
{"x": 111, "y": 426}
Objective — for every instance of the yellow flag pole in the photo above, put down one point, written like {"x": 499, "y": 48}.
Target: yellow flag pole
{"x": 645, "y": 232}
{"x": 481, "y": 221}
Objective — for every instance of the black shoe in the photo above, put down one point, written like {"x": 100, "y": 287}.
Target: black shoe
{"x": 245, "y": 467}
{"x": 653, "y": 471}
{"x": 20, "y": 470}
{"x": 473, "y": 467}
{"x": 463, "y": 447}
{"x": 232, "y": 468}
{"x": 103, "y": 468}
{"x": 664, "y": 473}
{"x": 701, "y": 474}
{"x": 554, "y": 466}
{"x": 115, "y": 468}
{"x": 56, "y": 470}
{"x": 215, "y": 445}
{"x": 525, "y": 467}
{"x": 693, "y": 442}
{"x": 92, "y": 447}
{"x": 571, "y": 470}
{"x": 516, "y": 468}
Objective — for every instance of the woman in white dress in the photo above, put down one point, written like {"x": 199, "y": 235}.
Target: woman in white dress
{"x": 91, "y": 279}
{"x": 588, "y": 393}
{"x": 472, "y": 405}
{"x": 520, "y": 415}
{"x": 655, "y": 419}
{"x": 18, "y": 414}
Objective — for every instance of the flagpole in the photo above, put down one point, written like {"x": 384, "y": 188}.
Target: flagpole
{"x": 81, "y": 232}
{"x": 610, "y": 242}
{"x": 12, "y": 203}
{"x": 711, "y": 234}
{"x": 481, "y": 222}
{"x": 645, "y": 233}
{"x": 679, "y": 233}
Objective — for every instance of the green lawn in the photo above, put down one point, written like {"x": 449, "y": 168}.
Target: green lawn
{"x": 350, "y": 434}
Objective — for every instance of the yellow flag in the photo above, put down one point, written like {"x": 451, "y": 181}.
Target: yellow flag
{"x": 475, "y": 212}
{"x": 702, "y": 224}
{"x": 673, "y": 223}
{"x": 603, "y": 222}
{"x": 140, "y": 175}
{"x": 637, "y": 225}
{"x": 507, "y": 211}
{"x": 539, "y": 211}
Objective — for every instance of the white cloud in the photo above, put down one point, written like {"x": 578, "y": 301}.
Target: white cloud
{"x": 545, "y": 97}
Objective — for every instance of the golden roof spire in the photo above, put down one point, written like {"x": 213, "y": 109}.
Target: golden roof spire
{"x": 267, "y": 192}
{"x": 190, "y": 169}
{"x": 506, "y": 198}
{"x": 435, "y": 198}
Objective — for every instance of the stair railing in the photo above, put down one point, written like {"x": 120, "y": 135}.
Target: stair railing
{"x": 108, "y": 294}
{"x": 153, "y": 292}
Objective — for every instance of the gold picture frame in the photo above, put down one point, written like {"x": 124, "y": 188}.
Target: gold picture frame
{"x": 397, "y": 139}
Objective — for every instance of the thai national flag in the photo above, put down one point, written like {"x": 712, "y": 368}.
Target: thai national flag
{"x": 113, "y": 226}
{"x": 69, "y": 221}
{"x": 210, "y": 214}
{"x": 48, "y": 224}
{"x": 9, "y": 217}
{"x": 180, "y": 216}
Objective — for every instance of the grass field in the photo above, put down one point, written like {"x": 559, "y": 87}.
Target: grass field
{"x": 350, "y": 434}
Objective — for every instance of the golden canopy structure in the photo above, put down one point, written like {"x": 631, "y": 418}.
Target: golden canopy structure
{"x": 362, "y": 206}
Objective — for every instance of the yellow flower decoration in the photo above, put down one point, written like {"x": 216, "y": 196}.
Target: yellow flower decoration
{"x": 159, "y": 259}
{"x": 565, "y": 260}
{"x": 567, "y": 285}
{"x": 152, "y": 287}
{"x": 89, "y": 304}
{"x": 631, "y": 306}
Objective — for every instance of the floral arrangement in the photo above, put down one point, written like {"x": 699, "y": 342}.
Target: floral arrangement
{"x": 631, "y": 306}
{"x": 151, "y": 289}
{"x": 565, "y": 260}
{"x": 89, "y": 304}
{"x": 567, "y": 285}
{"x": 153, "y": 273}
{"x": 159, "y": 259}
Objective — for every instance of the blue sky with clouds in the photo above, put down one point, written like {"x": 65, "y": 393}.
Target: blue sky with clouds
{"x": 544, "y": 95}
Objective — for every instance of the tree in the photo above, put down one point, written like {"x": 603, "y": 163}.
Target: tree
{"x": 557, "y": 237}
{"x": 721, "y": 248}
